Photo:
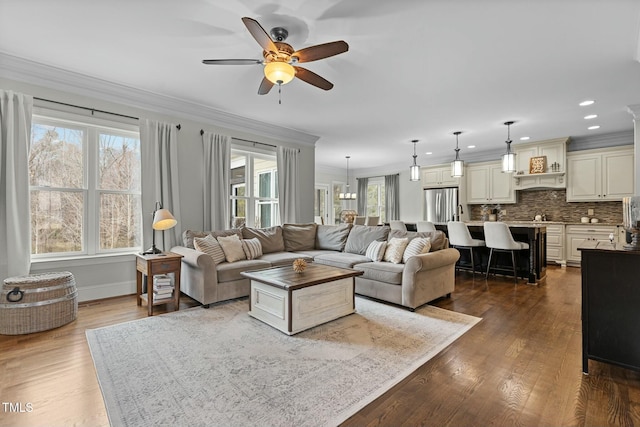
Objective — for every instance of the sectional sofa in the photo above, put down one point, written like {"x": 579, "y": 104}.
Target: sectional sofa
{"x": 411, "y": 282}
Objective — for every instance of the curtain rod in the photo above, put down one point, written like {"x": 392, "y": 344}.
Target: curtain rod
{"x": 378, "y": 176}
{"x": 249, "y": 141}
{"x": 93, "y": 110}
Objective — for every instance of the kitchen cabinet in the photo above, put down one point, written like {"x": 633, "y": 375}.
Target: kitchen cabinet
{"x": 600, "y": 175}
{"x": 486, "y": 183}
{"x": 577, "y": 234}
{"x": 440, "y": 176}
{"x": 555, "y": 152}
{"x": 555, "y": 243}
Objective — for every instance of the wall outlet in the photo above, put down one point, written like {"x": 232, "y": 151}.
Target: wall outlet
{"x": 504, "y": 212}
{"x": 590, "y": 212}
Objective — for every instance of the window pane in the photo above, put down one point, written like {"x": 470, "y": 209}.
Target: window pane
{"x": 264, "y": 182}
{"x": 238, "y": 212}
{"x": 55, "y": 157}
{"x": 267, "y": 214}
{"x": 119, "y": 221}
{"x": 264, "y": 185}
{"x": 119, "y": 162}
{"x": 56, "y": 221}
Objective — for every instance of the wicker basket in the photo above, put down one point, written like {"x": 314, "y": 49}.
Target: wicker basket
{"x": 37, "y": 302}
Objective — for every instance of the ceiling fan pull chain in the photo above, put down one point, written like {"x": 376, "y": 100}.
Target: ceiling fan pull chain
{"x": 279, "y": 93}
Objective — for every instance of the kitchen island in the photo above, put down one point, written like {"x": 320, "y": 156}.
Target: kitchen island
{"x": 533, "y": 233}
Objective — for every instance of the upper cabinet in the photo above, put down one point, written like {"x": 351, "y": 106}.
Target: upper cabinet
{"x": 486, "y": 183}
{"x": 438, "y": 176}
{"x": 600, "y": 175}
{"x": 554, "y": 155}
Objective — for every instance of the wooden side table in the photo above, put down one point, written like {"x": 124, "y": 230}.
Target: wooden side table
{"x": 150, "y": 265}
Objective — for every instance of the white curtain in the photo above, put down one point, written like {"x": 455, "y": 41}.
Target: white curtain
{"x": 15, "y": 223}
{"x": 159, "y": 148}
{"x": 217, "y": 168}
{"x": 392, "y": 197}
{"x": 288, "y": 184}
{"x": 363, "y": 184}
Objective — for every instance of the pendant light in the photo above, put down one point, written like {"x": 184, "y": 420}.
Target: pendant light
{"x": 348, "y": 195}
{"x": 457, "y": 166}
{"x": 414, "y": 169}
{"x": 509, "y": 158}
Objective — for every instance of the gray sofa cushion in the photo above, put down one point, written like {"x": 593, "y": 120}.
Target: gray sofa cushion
{"x": 299, "y": 237}
{"x": 382, "y": 271}
{"x": 283, "y": 258}
{"x": 332, "y": 237}
{"x": 230, "y": 271}
{"x": 315, "y": 252}
{"x": 362, "y": 235}
{"x": 438, "y": 237}
{"x": 189, "y": 235}
{"x": 342, "y": 260}
{"x": 270, "y": 238}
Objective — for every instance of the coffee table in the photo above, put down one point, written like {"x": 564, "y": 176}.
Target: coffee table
{"x": 292, "y": 302}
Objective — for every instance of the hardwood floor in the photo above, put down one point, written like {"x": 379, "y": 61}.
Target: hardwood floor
{"x": 521, "y": 365}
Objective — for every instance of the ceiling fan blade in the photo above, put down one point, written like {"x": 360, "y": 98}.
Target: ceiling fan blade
{"x": 260, "y": 34}
{"x": 320, "y": 51}
{"x": 265, "y": 86}
{"x": 312, "y": 78}
{"x": 231, "y": 61}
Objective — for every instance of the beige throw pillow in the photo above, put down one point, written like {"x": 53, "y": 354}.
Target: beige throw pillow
{"x": 232, "y": 247}
{"x": 210, "y": 246}
{"x": 252, "y": 248}
{"x": 395, "y": 249}
{"x": 417, "y": 246}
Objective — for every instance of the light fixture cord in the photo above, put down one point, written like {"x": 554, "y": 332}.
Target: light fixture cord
{"x": 457, "y": 149}
{"x": 414, "y": 155}
{"x": 280, "y": 92}
{"x": 508, "y": 138}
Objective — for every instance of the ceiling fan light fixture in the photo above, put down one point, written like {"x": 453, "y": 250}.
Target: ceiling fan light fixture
{"x": 279, "y": 72}
{"x": 414, "y": 169}
{"x": 457, "y": 166}
{"x": 508, "y": 158}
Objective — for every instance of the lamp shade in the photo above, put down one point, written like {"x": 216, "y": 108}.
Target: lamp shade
{"x": 414, "y": 173}
{"x": 163, "y": 220}
{"x": 457, "y": 168}
{"x": 279, "y": 72}
{"x": 509, "y": 162}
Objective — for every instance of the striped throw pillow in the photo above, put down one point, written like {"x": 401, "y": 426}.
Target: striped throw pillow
{"x": 375, "y": 250}
{"x": 417, "y": 246}
{"x": 252, "y": 248}
{"x": 395, "y": 249}
{"x": 210, "y": 246}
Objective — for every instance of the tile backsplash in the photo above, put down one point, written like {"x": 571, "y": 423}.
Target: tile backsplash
{"x": 553, "y": 203}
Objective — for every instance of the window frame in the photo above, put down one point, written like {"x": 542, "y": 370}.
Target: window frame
{"x": 92, "y": 128}
{"x": 379, "y": 183}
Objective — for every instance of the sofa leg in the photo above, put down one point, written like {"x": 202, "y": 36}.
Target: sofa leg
{"x": 205, "y": 305}
{"x": 449, "y": 295}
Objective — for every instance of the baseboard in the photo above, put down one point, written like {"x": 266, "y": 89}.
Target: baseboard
{"x": 95, "y": 292}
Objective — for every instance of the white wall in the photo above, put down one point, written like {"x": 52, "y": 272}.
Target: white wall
{"x": 101, "y": 277}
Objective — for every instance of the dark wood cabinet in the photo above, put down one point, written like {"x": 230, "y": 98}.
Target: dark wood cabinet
{"x": 610, "y": 305}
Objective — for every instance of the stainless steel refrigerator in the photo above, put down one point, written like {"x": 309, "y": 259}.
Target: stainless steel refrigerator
{"x": 441, "y": 204}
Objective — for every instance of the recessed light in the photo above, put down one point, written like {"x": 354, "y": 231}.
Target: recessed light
{"x": 587, "y": 102}
{"x": 471, "y": 146}
{"x": 591, "y": 116}
{"x": 525, "y": 138}
{"x": 428, "y": 153}
{"x": 594, "y": 127}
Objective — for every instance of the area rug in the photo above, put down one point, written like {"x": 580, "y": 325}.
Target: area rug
{"x": 221, "y": 367}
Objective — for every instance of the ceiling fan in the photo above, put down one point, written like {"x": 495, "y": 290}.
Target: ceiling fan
{"x": 280, "y": 59}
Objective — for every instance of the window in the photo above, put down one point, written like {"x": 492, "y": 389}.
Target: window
{"x": 376, "y": 198}
{"x": 254, "y": 201}
{"x": 84, "y": 177}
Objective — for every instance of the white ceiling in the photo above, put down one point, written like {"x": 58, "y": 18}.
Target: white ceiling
{"x": 416, "y": 69}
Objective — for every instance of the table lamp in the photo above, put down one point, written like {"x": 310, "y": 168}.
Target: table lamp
{"x": 162, "y": 220}
{"x": 631, "y": 221}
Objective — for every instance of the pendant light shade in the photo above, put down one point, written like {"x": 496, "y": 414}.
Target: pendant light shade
{"x": 457, "y": 166}
{"x": 279, "y": 72}
{"x": 348, "y": 195}
{"x": 414, "y": 169}
{"x": 508, "y": 158}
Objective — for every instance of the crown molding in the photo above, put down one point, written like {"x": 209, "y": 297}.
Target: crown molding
{"x": 23, "y": 70}
{"x": 612, "y": 139}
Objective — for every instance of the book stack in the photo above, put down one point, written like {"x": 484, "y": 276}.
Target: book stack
{"x": 162, "y": 287}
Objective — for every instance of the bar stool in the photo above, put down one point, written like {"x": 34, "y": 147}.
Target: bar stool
{"x": 498, "y": 238}
{"x": 425, "y": 226}
{"x": 460, "y": 238}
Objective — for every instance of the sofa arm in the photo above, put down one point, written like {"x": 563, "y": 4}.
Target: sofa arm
{"x": 198, "y": 276}
{"x": 431, "y": 260}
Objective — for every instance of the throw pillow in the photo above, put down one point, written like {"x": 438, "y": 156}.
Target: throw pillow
{"x": 270, "y": 238}
{"x": 299, "y": 237}
{"x": 375, "y": 250}
{"x": 332, "y": 237}
{"x": 252, "y": 248}
{"x": 417, "y": 246}
{"x": 232, "y": 247}
{"x": 210, "y": 246}
{"x": 395, "y": 249}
